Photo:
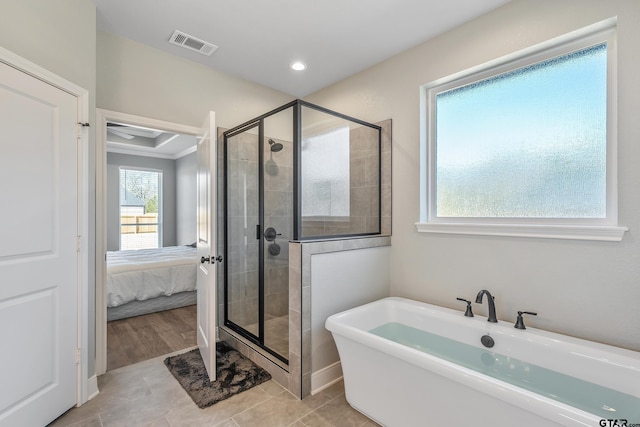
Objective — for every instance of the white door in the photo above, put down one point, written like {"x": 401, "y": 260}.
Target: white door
{"x": 207, "y": 245}
{"x": 38, "y": 250}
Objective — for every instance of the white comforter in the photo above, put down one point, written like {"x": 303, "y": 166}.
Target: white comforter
{"x": 148, "y": 273}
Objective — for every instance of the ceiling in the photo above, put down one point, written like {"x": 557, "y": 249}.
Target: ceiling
{"x": 258, "y": 40}
{"x": 141, "y": 141}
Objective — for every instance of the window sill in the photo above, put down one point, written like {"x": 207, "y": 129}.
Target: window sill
{"x": 594, "y": 232}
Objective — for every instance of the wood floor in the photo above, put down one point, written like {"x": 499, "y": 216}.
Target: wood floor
{"x": 141, "y": 338}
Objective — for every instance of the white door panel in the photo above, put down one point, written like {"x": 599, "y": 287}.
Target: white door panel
{"x": 38, "y": 249}
{"x": 206, "y": 279}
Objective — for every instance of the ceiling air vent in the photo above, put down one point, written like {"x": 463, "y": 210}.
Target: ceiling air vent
{"x": 185, "y": 40}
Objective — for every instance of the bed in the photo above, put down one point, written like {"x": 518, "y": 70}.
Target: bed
{"x": 148, "y": 280}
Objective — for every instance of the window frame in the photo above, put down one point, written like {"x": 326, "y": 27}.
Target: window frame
{"x": 160, "y": 203}
{"x": 565, "y": 228}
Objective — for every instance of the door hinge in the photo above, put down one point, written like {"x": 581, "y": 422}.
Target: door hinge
{"x": 80, "y": 127}
{"x": 78, "y": 356}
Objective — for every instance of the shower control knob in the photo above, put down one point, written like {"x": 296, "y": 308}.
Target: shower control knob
{"x": 270, "y": 234}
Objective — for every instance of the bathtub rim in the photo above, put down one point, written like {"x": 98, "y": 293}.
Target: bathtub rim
{"x": 531, "y": 331}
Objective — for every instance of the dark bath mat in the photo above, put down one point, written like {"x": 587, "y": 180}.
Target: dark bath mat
{"x": 235, "y": 373}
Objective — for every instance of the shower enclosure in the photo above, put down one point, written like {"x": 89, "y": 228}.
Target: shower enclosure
{"x": 297, "y": 173}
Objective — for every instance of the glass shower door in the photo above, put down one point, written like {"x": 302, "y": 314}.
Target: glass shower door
{"x": 242, "y": 201}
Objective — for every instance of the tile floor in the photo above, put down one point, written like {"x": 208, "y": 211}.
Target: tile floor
{"x": 146, "y": 394}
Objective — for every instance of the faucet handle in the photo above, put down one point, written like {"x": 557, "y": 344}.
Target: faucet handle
{"x": 520, "y": 322}
{"x": 468, "y": 312}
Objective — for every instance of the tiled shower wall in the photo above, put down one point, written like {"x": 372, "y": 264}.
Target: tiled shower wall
{"x": 278, "y": 213}
{"x": 364, "y": 183}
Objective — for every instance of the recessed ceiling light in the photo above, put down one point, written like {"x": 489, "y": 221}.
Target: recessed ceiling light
{"x": 298, "y": 66}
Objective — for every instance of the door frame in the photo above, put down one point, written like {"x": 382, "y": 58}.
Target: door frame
{"x": 102, "y": 117}
{"x": 86, "y": 387}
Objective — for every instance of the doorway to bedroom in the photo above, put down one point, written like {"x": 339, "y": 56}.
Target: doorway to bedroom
{"x": 149, "y": 276}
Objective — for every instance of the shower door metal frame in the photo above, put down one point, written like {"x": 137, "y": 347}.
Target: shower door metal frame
{"x": 259, "y": 339}
{"x": 297, "y": 204}
{"x": 297, "y": 171}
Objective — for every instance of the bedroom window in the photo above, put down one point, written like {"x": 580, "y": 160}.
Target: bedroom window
{"x": 140, "y": 209}
{"x": 526, "y": 145}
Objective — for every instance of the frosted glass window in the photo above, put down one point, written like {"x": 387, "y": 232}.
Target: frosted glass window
{"x": 528, "y": 143}
{"x": 325, "y": 173}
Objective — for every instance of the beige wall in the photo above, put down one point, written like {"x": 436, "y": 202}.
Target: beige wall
{"x": 136, "y": 79}
{"x": 586, "y": 289}
{"x": 60, "y": 36}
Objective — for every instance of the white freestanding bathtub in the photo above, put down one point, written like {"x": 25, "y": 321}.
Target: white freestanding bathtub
{"x": 407, "y": 363}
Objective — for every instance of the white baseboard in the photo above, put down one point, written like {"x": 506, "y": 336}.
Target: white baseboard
{"x": 92, "y": 387}
{"x": 326, "y": 377}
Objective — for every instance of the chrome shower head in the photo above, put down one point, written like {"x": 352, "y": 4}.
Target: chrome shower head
{"x": 275, "y": 146}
